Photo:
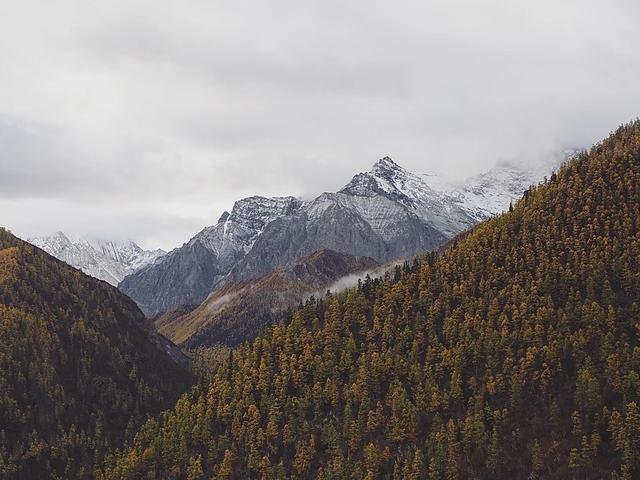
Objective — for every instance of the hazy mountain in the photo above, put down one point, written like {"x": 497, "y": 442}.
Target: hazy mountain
{"x": 383, "y": 214}
{"x": 106, "y": 260}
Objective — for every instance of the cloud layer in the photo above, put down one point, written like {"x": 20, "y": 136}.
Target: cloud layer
{"x": 146, "y": 119}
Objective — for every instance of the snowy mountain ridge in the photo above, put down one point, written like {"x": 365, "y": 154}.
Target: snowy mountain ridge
{"x": 235, "y": 232}
{"x": 449, "y": 205}
{"x": 385, "y": 213}
{"x": 110, "y": 261}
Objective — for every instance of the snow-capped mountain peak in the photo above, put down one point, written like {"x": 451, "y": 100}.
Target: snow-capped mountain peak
{"x": 255, "y": 212}
{"x": 388, "y": 171}
{"x": 387, "y": 178}
{"x": 110, "y": 261}
{"x": 236, "y": 231}
{"x": 491, "y": 192}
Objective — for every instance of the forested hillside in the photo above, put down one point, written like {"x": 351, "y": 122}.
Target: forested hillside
{"x": 240, "y": 311}
{"x": 79, "y": 369}
{"x": 513, "y": 354}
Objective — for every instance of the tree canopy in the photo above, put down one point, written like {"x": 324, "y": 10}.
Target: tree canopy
{"x": 79, "y": 368}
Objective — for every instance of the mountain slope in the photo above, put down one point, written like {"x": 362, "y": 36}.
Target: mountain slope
{"x": 385, "y": 214}
{"x": 106, "y": 260}
{"x": 79, "y": 365}
{"x": 512, "y": 354}
{"x": 186, "y": 275}
{"x": 239, "y": 311}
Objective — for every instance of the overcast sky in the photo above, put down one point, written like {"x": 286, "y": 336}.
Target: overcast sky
{"x": 147, "y": 119}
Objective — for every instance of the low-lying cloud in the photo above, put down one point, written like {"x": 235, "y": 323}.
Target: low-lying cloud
{"x": 148, "y": 119}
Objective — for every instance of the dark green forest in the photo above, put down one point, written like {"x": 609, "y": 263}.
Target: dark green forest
{"x": 513, "y": 353}
{"x": 79, "y": 369}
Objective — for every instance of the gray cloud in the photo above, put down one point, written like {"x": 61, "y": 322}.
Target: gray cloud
{"x": 147, "y": 119}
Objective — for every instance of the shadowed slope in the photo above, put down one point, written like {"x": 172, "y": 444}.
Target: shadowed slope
{"x": 79, "y": 364}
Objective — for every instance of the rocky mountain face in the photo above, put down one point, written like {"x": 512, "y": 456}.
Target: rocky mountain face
{"x": 384, "y": 214}
{"x": 187, "y": 274}
{"x": 106, "y": 260}
{"x": 239, "y": 310}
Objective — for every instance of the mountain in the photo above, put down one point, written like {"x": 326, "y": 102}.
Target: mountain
{"x": 186, "y": 275}
{"x": 384, "y": 214}
{"x": 106, "y": 260}
{"x": 239, "y": 311}
{"x": 80, "y": 366}
{"x": 486, "y": 194}
{"x": 512, "y": 353}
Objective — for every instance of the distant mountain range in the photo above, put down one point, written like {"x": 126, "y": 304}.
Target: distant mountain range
{"x": 383, "y": 214}
{"x": 106, "y": 260}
